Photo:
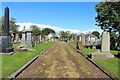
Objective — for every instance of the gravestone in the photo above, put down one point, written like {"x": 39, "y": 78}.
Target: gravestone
{"x": 80, "y": 45}
{"x": 29, "y": 39}
{"x": 75, "y": 39}
{"x": 40, "y": 39}
{"x": 23, "y": 40}
{"x": 6, "y": 37}
{"x": 16, "y": 38}
{"x": 83, "y": 39}
{"x": 0, "y": 43}
{"x": 105, "y": 49}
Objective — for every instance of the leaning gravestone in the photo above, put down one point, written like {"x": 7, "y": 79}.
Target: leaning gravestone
{"x": 6, "y": 37}
{"x": 80, "y": 45}
{"x": 83, "y": 39}
{"x": 75, "y": 39}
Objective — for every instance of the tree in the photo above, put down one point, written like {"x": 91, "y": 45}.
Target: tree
{"x": 65, "y": 35}
{"x": 46, "y": 31}
{"x": 36, "y": 31}
{"x": 20, "y": 34}
{"x": 13, "y": 26}
{"x": 96, "y": 33}
{"x": 108, "y": 18}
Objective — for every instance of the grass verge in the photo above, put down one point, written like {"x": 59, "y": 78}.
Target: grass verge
{"x": 110, "y": 65}
{"x": 11, "y": 63}
{"x": 84, "y": 51}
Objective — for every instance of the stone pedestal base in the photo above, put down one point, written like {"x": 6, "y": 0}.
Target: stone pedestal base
{"x": 101, "y": 55}
{"x": 6, "y": 44}
{"x": 29, "y": 44}
{"x": 23, "y": 43}
{"x": 7, "y": 50}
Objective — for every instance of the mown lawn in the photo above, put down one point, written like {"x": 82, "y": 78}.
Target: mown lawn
{"x": 85, "y": 51}
{"x": 15, "y": 45}
{"x": 115, "y": 52}
{"x": 110, "y": 65}
{"x": 11, "y": 63}
{"x": 0, "y": 66}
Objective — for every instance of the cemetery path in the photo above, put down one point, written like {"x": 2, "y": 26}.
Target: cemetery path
{"x": 61, "y": 61}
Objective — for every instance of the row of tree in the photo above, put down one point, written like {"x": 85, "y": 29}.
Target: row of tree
{"x": 35, "y": 29}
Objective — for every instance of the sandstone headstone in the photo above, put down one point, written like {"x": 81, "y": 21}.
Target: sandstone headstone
{"x": 105, "y": 49}
{"x": 75, "y": 39}
{"x": 80, "y": 45}
{"x": 83, "y": 39}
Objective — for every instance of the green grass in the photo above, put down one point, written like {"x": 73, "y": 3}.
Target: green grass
{"x": 110, "y": 65}
{"x": 0, "y": 66}
{"x": 86, "y": 51}
{"x": 115, "y": 52}
{"x": 12, "y": 63}
{"x": 73, "y": 45}
{"x": 15, "y": 45}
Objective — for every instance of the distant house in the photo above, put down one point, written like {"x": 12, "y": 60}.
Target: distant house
{"x": 90, "y": 39}
{"x": 52, "y": 37}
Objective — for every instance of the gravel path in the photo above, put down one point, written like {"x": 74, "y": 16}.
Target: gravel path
{"x": 61, "y": 61}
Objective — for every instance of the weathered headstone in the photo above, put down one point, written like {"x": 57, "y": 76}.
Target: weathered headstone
{"x": 75, "y": 39}
{"x": 40, "y": 39}
{"x": 23, "y": 40}
{"x": 105, "y": 49}
{"x": 83, "y": 39}
{"x": 80, "y": 45}
{"x": 6, "y": 37}
{"x": 16, "y": 37}
{"x": 29, "y": 39}
{"x": 105, "y": 42}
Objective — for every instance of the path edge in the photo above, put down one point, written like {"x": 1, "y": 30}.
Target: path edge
{"x": 16, "y": 73}
{"x": 100, "y": 68}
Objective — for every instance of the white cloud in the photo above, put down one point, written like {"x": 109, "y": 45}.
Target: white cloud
{"x": 41, "y": 26}
{"x": 57, "y": 29}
